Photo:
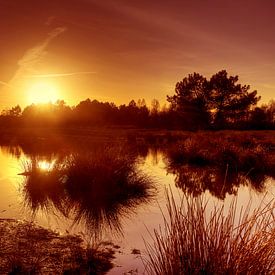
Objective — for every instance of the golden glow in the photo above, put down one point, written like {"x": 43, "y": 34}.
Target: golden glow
{"x": 46, "y": 165}
{"x": 42, "y": 92}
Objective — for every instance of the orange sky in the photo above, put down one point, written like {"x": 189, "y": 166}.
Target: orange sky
{"x": 125, "y": 49}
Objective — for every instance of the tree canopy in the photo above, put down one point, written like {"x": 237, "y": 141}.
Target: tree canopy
{"x": 218, "y": 102}
{"x": 191, "y": 101}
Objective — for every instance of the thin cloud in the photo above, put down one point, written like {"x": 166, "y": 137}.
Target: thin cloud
{"x": 33, "y": 56}
{"x": 59, "y": 74}
{"x": 5, "y": 84}
{"x": 50, "y": 20}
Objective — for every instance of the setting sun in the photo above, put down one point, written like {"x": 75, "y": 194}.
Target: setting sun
{"x": 43, "y": 92}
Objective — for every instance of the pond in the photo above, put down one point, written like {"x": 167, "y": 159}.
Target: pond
{"x": 96, "y": 200}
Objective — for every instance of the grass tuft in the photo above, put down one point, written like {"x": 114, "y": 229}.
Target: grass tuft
{"x": 194, "y": 241}
{"x": 98, "y": 188}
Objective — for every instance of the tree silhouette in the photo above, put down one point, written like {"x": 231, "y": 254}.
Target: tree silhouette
{"x": 270, "y": 113}
{"x": 198, "y": 103}
{"x": 191, "y": 101}
{"x": 258, "y": 119}
{"x": 13, "y": 112}
{"x": 229, "y": 101}
{"x": 155, "y": 107}
{"x": 219, "y": 102}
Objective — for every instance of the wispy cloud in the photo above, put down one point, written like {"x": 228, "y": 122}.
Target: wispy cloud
{"x": 26, "y": 65}
{"x": 5, "y": 84}
{"x": 49, "y": 20}
{"x": 58, "y": 74}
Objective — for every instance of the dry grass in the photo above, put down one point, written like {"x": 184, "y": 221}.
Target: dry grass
{"x": 105, "y": 186}
{"x": 43, "y": 189}
{"x": 238, "y": 151}
{"x": 97, "y": 188}
{"x": 244, "y": 155}
{"x": 194, "y": 241}
{"x": 29, "y": 249}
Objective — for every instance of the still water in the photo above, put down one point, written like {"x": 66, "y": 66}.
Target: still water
{"x": 131, "y": 218}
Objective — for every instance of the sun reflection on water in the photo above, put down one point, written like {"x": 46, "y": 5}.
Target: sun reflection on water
{"x": 45, "y": 165}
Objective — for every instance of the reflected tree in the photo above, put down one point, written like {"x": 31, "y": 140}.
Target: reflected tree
{"x": 197, "y": 180}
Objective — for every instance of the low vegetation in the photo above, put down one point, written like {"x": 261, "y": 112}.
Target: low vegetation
{"x": 29, "y": 249}
{"x": 240, "y": 151}
{"x": 196, "y": 240}
{"x": 98, "y": 188}
{"x": 231, "y": 158}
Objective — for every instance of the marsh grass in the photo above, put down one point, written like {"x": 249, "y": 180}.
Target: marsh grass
{"x": 240, "y": 155}
{"x": 105, "y": 186}
{"x": 222, "y": 241}
{"x": 43, "y": 189}
{"x": 29, "y": 249}
{"x": 98, "y": 188}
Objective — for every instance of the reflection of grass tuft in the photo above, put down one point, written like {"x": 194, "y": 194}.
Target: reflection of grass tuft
{"x": 194, "y": 241}
{"x": 43, "y": 189}
{"x": 98, "y": 188}
{"x": 105, "y": 185}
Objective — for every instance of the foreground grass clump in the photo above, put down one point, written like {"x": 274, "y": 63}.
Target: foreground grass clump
{"x": 29, "y": 249}
{"x": 96, "y": 188}
{"x": 42, "y": 187}
{"x": 195, "y": 241}
{"x": 104, "y": 186}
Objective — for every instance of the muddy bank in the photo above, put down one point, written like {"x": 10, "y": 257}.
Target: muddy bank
{"x": 26, "y": 248}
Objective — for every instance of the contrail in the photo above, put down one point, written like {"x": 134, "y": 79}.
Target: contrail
{"x": 59, "y": 74}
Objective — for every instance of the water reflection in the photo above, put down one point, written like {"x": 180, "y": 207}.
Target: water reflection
{"x": 81, "y": 181}
{"x": 14, "y": 151}
{"x": 45, "y": 165}
{"x": 220, "y": 167}
{"x": 97, "y": 189}
{"x": 218, "y": 180}
{"x": 196, "y": 180}
{"x": 41, "y": 187}
{"x": 99, "y": 186}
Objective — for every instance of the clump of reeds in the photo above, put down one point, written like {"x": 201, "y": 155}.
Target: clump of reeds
{"x": 42, "y": 189}
{"x": 194, "y": 241}
{"x": 204, "y": 150}
{"x": 104, "y": 186}
{"x": 191, "y": 151}
{"x": 97, "y": 188}
{"x": 248, "y": 158}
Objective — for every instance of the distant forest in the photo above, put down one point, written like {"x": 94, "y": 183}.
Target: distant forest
{"x": 197, "y": 104}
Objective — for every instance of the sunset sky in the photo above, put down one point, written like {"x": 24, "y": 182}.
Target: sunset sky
{"x": 125, "y": 49}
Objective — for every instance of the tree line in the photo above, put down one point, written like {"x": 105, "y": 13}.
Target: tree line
{"x": 197, "y": 104}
